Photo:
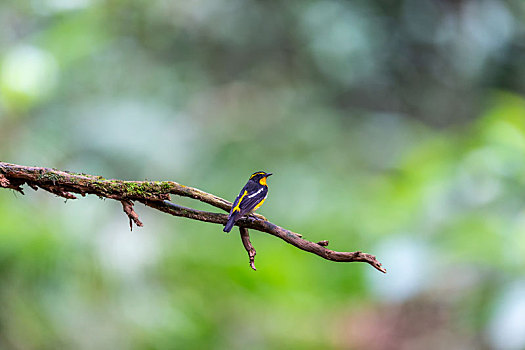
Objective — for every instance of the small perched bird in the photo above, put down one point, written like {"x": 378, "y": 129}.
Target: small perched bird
{"x": 252, "y": 196}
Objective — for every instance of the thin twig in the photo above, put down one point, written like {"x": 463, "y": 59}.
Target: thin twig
{"x": 245, "y": 238}
{"x": 127, "y": 206}
{"x": 156, "y": 194}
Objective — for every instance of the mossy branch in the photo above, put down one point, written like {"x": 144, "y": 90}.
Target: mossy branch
{"x": 156, "y": 194}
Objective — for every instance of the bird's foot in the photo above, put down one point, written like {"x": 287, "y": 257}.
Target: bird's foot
{"x": 258, "y": 217}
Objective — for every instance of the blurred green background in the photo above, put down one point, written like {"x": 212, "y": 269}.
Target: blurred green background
{"x": 392, "y": 127}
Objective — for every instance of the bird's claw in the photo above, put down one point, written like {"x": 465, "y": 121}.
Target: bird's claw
{"x": 258, "y": 217}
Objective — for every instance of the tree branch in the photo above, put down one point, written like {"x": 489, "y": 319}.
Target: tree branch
{"x": 156, "y": 194}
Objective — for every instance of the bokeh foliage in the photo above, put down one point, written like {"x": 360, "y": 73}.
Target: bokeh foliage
{"x": 392, "y": 127}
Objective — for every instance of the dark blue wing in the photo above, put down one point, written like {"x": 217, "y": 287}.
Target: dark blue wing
{"x": 254, "y": 197}
{"x": 250, "y": 195}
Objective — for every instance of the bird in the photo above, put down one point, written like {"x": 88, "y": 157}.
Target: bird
{"x": 251, "y": 197}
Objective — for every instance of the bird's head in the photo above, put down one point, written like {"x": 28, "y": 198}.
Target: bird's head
{"x": 260, "y": 177}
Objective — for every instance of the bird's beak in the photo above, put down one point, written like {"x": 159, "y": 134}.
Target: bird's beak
{"x": 268, "y": 174}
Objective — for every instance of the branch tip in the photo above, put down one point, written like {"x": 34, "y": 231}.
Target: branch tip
{"x": 127, "y": 206}
{"x": 245, "y": 237}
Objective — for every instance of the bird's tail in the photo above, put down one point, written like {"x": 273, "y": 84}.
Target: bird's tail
{"x": 229, "y": 225}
